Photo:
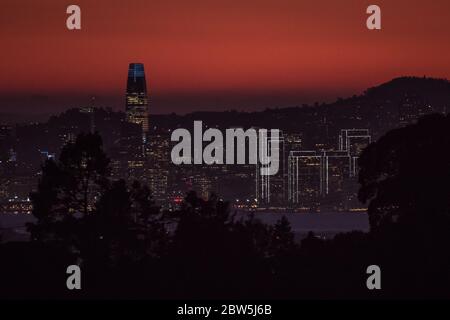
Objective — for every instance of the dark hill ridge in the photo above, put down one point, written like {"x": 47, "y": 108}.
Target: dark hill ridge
{"x": 13, "y": 118}
{"x": 377, "y": 109}
{"x": 426, "y": 87}
{"x": 431, "y": 90}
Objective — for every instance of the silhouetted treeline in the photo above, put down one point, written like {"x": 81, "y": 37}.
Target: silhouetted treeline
{"x": 128, "y": 248}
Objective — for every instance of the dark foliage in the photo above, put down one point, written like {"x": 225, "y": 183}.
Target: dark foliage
{"x": 406, "y": 176}
{"x": 128, "y": 248}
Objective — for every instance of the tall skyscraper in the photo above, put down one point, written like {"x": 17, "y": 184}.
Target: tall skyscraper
{"x": 336, "y": 166}
{"x": 354, "y": 141}
{"x": 271, "y": 189}
{"x": 305, "y": 178}
{"x": 136, "y": 97}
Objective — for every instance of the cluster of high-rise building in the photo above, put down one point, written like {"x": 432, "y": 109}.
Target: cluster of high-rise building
{"x": 314, "y": 180}
{"x": 306, "y": 180}
{"x": 317, "y": 169}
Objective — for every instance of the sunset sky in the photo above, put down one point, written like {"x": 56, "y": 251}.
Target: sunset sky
{"x": 213, "y": 54}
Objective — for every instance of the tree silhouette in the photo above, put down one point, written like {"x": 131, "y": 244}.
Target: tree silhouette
{"x": 130, "y": 248}
{"x": 405, "y": 175}
{"x": 69, "y": 187}
{"x": 100, "y": 220}
{"x": 106, "y": 234}
{"x": 405, "y": 178}
{"x": 282, "y": 237}
{"x": 149, "y": 222}
{"x": 216, "y": 254}
{"x": 125, "y": 227}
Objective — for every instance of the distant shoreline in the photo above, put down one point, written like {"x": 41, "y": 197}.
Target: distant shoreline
{"x": 324, "y": 225}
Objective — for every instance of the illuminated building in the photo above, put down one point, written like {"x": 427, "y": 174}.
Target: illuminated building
{"x": 354, "y": 141}
{"x": 136, "y": 97}
{"x": 294, "y": 141}
{"x": 157, "y": 169}
{"x": 271, "y": 189}
{"x": 305, "y": 178}
{"x": 336, "y": 166}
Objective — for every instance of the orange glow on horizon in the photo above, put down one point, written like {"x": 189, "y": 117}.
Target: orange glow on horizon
{"x": 197, "y": 46}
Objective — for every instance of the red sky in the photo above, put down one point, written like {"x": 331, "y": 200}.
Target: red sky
{"x": 214, "y": 54}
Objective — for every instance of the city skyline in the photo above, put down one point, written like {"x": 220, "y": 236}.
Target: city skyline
{"x": 317, "y": 147}
{"x": 258, "y": 150}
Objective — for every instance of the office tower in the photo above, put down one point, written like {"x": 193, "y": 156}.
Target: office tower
{"x": 157, "y": 166}
{"x": 271, "y": 189}
{"x": 136, "y": 97}
{"x": 294, "y": 142}
{"x": 305, "y": 178}
{"x": 354, "y": 141}
{"x": 203, "y": 184}
{"x": 336, "y": 166}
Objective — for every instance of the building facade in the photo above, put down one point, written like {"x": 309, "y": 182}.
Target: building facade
{"x": 136, "y": 97}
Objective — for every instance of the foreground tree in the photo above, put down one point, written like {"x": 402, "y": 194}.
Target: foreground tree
{"x": 69, "y": 188}
{"x": 405, "y": 176}
{"x": 126, "y": 227}
{"x": 101, "y": 221}
{"x": 221, "y": 254}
